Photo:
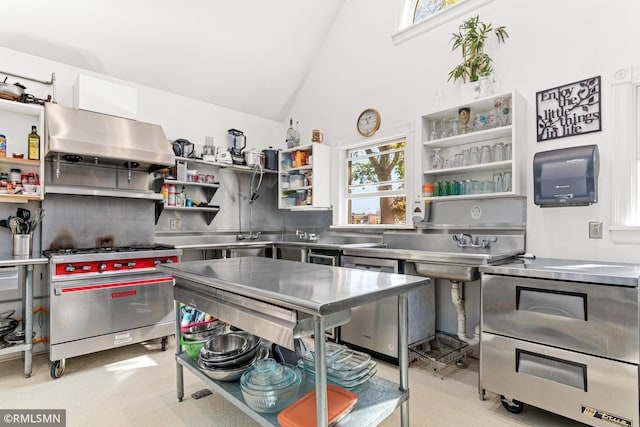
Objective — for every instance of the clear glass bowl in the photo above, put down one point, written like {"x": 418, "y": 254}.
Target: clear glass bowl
{"x": 269, "y": 376}
{"x": 274, "y": 399}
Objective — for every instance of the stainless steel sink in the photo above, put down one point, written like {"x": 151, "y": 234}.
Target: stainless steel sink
{"x": 456, "y": 272}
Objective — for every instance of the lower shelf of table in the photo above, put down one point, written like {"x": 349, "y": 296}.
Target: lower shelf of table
{"x": 377, "y": 398}
{"x": 15, "y": 348}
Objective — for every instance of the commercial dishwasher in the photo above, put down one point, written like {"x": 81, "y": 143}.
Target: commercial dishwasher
{"x": 374, "y": 326}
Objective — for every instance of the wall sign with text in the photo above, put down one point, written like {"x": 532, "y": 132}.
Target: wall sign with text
{"x": 572, "y": 109}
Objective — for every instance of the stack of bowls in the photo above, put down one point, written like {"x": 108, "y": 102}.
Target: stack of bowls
{"x": 270, "y": 386}
{"x": 225, "y": 357}
{"x": 345, "y": 367}
{"x": 196, "y": 335}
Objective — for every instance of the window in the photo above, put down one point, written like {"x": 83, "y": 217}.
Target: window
{"x": 625, "y": 200}
{"x": 376, "y": 192}
{"x": 420, "y": 16}
{"x": 426, "y": 8}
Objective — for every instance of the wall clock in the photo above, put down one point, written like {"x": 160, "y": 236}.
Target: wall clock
{"x": 368, "y": 122}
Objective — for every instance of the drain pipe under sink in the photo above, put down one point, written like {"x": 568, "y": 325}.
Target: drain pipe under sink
{"x": 457, "y": 297}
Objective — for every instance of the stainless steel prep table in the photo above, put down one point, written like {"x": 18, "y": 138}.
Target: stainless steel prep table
{"x": 318, "y": 291}
{"x": 25, "y": 265}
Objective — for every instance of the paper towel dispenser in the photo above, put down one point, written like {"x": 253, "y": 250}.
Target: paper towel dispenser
{"x": 566, "y": 177}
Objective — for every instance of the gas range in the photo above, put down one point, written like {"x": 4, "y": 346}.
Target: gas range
{"x": 74, "y": 263}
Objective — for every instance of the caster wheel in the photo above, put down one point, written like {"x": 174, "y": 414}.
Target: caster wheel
{"x": 57, "y": 369}
{"x": 164, "y": 343}
{"x": 513, "y": 406}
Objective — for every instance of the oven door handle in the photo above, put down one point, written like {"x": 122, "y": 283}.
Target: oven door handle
{"x": 59, "y": 290}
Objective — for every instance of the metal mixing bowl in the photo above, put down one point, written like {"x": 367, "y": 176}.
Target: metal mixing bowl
{"x": 203, "y": 331}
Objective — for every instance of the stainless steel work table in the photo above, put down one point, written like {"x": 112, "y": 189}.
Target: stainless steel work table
{"x": 317, "y": 292}
{"x": 25, "y": 265}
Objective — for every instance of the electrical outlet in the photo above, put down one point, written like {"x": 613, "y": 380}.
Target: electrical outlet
{"x": 595, "y": 230}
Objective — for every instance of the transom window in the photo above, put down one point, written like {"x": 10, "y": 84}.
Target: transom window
{"x": 420, "y": 16}
{"x": 376, "y": 190}
{"x": 427, "y": 8}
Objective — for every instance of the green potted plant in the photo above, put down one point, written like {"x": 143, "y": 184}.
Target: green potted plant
{"x": 471, "y": 38}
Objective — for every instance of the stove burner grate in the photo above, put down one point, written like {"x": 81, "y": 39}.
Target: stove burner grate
{"x": 83, "y": 251}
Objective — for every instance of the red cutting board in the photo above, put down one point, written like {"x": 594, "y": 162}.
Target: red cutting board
{"x": 302, "y": 412}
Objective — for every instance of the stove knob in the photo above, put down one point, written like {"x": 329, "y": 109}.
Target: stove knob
{"x": 157, "y": 262}
{"x": 168, "y": 261}
{"x": 131, "y": 264}
{"x": 69, "y": 268}
{"x": 102, "y": 267}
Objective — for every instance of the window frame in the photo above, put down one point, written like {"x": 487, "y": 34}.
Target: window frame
{"x": 406, "y": 29}
{"x": 625, "y": 210}
{"x": 411, "y": 166}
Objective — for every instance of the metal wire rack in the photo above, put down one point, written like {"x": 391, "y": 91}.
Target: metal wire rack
{"x": 444, "y": 351}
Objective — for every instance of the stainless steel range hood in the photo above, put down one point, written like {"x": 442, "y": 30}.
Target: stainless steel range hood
{"x": 104, "y": 140}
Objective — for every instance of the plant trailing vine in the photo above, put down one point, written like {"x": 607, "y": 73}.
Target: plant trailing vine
{"x": 471, "y": 38}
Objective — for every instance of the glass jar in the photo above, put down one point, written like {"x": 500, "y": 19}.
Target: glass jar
{"x": 14, "y": 176}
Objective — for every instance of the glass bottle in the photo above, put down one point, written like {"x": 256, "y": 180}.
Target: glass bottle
{"x": 34, "y": 144}
{"x": 291, "y": 135}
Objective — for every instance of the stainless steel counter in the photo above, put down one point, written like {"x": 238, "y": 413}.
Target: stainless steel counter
{"x": 312, "y": 288}
{"x": 607, "y": 273}
{"x": 238, "y": 285}
{"x": 268, "y": 243}
{"x": 461, "y": 256}
{"x": 25, "y": 264}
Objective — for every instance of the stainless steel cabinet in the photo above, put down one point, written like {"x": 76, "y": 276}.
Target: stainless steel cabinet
{"x": 562, "y": 335}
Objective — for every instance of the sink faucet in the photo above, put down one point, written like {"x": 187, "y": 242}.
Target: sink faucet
{"x": 467, "y": 241}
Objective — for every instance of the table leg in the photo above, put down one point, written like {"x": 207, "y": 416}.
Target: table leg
{"x": 403, "y": 354}
{"x": 28, "y": 319}
{"x": 179, "y": 368}
{"x": 322, "y": 407}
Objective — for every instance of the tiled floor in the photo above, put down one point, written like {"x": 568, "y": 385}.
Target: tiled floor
{"x": 135, "y": 386}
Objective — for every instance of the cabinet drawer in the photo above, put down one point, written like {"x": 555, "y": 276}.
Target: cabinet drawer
{"x": 595, "y": 319}
{"x": 568, "y": 383}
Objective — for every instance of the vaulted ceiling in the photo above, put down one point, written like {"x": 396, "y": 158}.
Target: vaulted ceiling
{"x": 250, "y": 56}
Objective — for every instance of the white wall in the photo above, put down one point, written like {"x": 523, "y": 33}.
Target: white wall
{"x": 551, "y": 43}
{"x": 180, "y": 117}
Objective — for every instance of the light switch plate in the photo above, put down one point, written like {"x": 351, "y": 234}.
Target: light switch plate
{"x": 595, "y": 230}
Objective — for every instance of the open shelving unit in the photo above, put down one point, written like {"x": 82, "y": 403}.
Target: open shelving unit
{"x": 510, "y": 133}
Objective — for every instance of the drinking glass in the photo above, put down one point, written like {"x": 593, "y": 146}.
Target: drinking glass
{"x": 498, "y": 152}
{"x": 436, "y": 160}
{"x": 497, "y": 182}
{"x": 454, "y": 127}
{"x": 507, "y": 151}
{"x": 485, "y": 154}
{"x": 506, "y": 181}
{"x": 474, "y": 156}
{"x": 443, "y": 129}
{"x": 434, "y": 132}
{"x": 503, "y": 110}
